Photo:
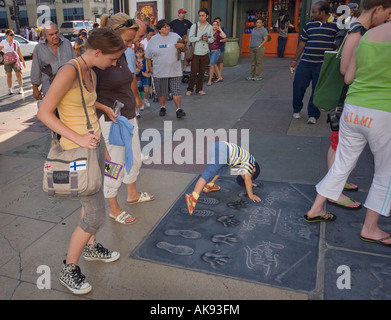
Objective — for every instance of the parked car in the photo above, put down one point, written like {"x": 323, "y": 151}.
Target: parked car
{"x": 70, "y": 29}
{"x": 26, "y": 46}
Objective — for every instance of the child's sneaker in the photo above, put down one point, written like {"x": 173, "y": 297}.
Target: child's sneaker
{"x": 146, "y": 103}
{"x": 190, "y": 203}
{"x": 72, "y": 278}
{"x": 97, "y": 252}
{"x": 211, "y": 188}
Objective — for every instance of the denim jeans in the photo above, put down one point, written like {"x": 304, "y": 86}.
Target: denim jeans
{"x": 306, "y": 72}
{"x": 281, "y": 46}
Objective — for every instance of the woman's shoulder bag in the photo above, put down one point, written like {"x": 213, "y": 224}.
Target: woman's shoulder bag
{"x": 75, "y": 172}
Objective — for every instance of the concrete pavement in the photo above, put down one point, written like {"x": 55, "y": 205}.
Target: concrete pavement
{"x": 35, "y": 230}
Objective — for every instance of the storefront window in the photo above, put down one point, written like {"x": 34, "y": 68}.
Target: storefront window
{"x": 73, "y": 14}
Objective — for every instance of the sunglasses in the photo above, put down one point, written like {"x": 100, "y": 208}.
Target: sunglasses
{"x": 126, "y": 24}
{"x": 11, "y": 34}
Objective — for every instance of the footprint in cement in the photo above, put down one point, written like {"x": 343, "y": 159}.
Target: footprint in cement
{"x": 200, "y": 213}
{"x": 175, "y": 249}
{"x": 208, "y": 201}
{"x": 187, "y": 234}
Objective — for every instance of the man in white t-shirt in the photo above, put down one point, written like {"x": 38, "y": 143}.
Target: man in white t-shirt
{"x": 162, "y": 51}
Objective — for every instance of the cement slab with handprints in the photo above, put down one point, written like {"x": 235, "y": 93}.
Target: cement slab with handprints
{"x": 229, "y": 235}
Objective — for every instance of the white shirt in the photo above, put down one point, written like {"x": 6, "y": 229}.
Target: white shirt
{"x": 163, "y": 53}
{"x": 9, "y": 48}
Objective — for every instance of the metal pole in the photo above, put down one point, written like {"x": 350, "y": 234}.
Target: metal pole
{"x": 17, "y": 16}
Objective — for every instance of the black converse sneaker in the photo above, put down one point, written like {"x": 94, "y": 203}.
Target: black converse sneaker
{"x": 97, "y": 252}
{"x": 72, "y": 278}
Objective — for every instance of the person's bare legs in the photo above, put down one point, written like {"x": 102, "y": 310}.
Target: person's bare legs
{"x": 78, "y": 241}
{"x": 317, "y": 209}
{"x": 330, "y": 160}
{"x": 371, "y": 230}
{"x": 116, "y": 210}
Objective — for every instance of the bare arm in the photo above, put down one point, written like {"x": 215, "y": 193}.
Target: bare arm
{"x": 65, "y": 81}
{"x": 351, "y": 70}
{"x": 299, "y": 51}
{"x": 347, "y": 53}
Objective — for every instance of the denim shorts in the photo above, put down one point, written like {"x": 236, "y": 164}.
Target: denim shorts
{"x": 213, "y": 57}
{"x": 218, "y": 159}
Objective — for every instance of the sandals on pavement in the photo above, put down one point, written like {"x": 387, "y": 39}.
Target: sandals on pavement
{"x": 348, "y": 187}
{"x": 144, "y": 197}
{"x": 328, "y": 217}
{"x": 121, "y": 218}
{"x": 380, "y": 241}
{"x": 344, "y": 204}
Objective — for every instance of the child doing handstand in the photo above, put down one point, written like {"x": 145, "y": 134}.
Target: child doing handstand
{"x": 223, "y": 155}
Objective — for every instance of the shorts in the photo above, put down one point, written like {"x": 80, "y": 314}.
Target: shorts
{"x": 164, "y": 86}
{"x": 9, "y": 67}
{"x": 145, "y": 82}
{"x": 218, "y": 159}
{"x": 221, "y": 57}
{"x": 334, "y": 139}
{"x": 94, "y": 205}
{"x": 213, "y": 57}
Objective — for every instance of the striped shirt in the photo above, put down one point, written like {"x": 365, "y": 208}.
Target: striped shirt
{"x": 319, "y": 37}
{"x": 240, "y": 159}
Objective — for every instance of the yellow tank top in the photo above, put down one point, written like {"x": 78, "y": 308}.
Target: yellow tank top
{"x": 72, "y": 113}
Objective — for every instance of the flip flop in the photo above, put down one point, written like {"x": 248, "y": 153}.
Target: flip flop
{"x": 217, "y": 81}
{"x": 328, "y": 217}
{"x": 347, "y": 187}
{"x": 121, "y": 218}
{"x": 144, "y": 197}
{"x": 380, "y": 241}
{"x": 344, "y": 203}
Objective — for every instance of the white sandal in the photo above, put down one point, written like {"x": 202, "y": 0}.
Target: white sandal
{"x": 121, "y": 218}
{"x": 144, "y": 197}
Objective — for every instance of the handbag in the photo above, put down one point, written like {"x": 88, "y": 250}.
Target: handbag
{"x": 11, "y": 57}
{"x": 75, "y": 172}
{"x": 331, "y": 82}
{"x": 190, "y": 51}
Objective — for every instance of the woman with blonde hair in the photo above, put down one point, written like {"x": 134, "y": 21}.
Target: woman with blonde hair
{"x": 104, "y": 48}
{"x": 118, "y": 83}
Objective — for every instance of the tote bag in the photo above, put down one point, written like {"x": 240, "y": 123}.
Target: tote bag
{"x": 331, "y": 82}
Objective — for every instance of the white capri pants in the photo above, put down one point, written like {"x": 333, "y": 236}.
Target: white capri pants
{"x": 117, "y": 154}
{"x": 359, "y": 126}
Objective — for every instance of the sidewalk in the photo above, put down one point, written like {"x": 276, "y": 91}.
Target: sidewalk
{"x": 35, "y": 230}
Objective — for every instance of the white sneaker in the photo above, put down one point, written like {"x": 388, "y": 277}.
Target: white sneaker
{"x": 189, "y": 93}
{"x": 201, "y": 93}
{"x": 257, "y": 79}
{"x": 20, "y": 91}
{"x": 311, "y": 120}
{"x": 10, "y": 91}
{"x": 297, "y": 115}
{"x": 250, "y": 78}
{"x": 142, "y": 108}
{"x": 146, "y": 103}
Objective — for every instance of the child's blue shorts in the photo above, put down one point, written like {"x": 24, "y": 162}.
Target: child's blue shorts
{"x": 218, "y": 159}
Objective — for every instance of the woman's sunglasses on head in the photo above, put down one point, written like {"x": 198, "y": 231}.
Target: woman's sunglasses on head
{"x": 127, "y": 24}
